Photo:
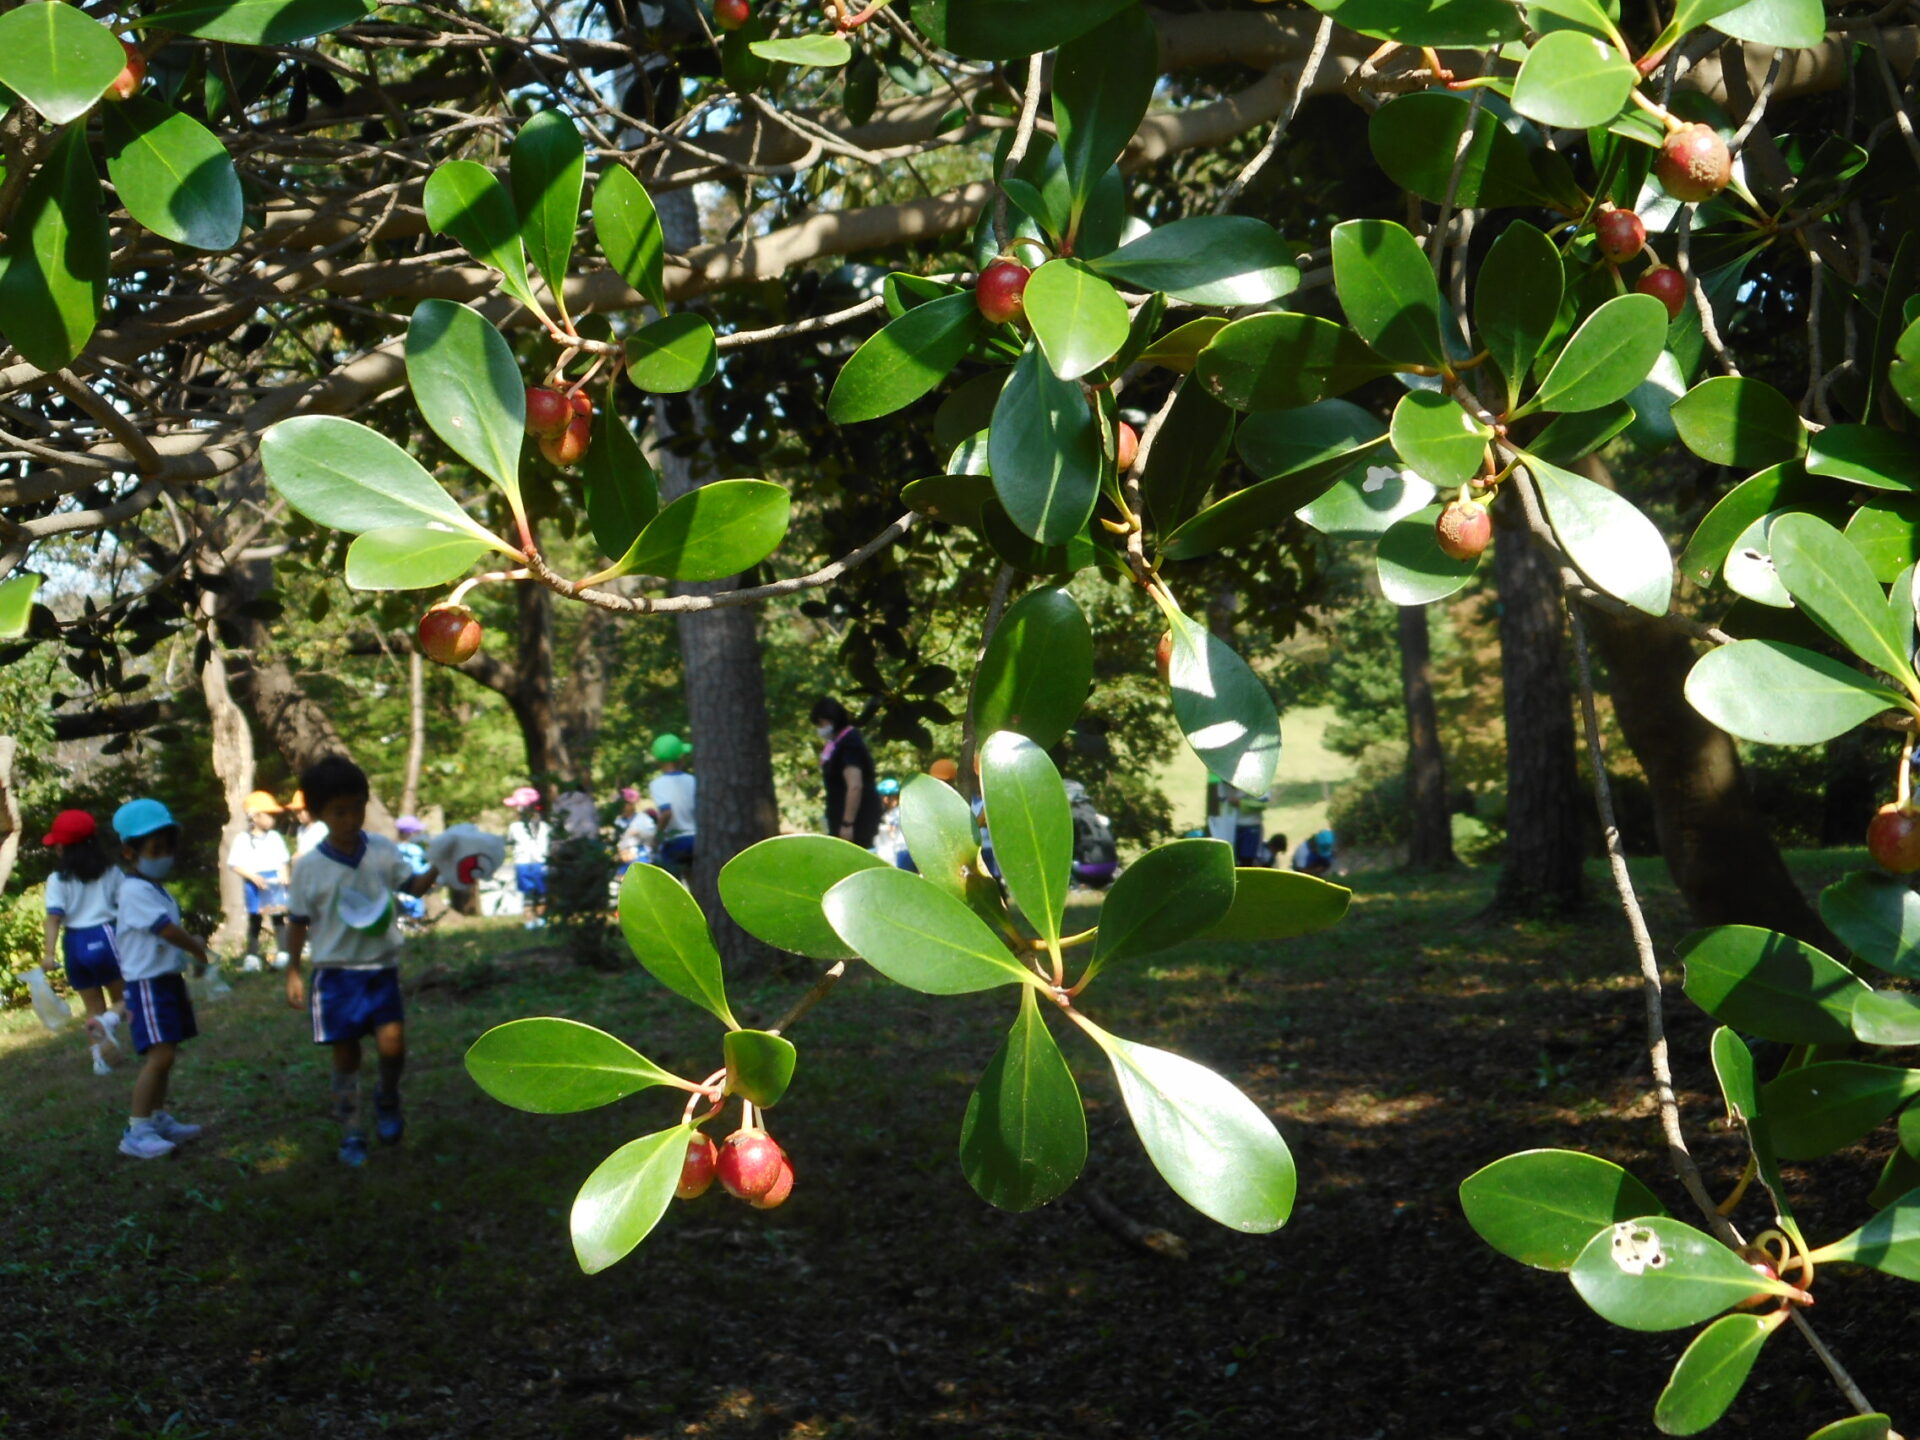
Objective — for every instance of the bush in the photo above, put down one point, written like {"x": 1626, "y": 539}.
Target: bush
{"x": 579, "y": 872}
{"x": 22, "y": 916}
{"x": 1369, "y": 811}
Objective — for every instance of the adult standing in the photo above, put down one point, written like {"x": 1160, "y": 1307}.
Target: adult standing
{"x": 846, "y": 768}
{"x": 260, "y": 856}
{"x": 673, "y": 792}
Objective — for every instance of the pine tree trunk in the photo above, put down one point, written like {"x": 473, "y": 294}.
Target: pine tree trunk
{"x": 1430, "y": 833}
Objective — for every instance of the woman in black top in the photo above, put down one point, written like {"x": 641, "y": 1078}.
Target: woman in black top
{"x": 846, "y": 767}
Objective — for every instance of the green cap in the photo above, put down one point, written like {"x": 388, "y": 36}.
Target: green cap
{"x": 670, "y": 747}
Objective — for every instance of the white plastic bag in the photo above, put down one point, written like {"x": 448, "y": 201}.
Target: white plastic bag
{"x": 55, "y": 1013}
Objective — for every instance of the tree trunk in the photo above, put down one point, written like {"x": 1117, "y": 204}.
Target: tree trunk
{"x": 1541, "y": 873}
{"x": 532, "y": 695}
{"x": 233, "y": 767}
{"x": 9, "y": 810}
{"x": 583, "y": 694}
{"x": 1717, "y": 844}
{"x": 1430, "y": 833}
{"x": 416, "y": 732}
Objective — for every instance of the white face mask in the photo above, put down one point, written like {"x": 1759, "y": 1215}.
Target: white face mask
{"x": 157, "y": 868}
{"x": 825, "y": 732}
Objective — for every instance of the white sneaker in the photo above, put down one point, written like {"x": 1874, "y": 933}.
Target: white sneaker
{"x": 280, "y": 960}
{"x": 105, "y": 1028}
{"x": 100, "y": 1065}
{"x": 176, "y": 1131}
{"x": 251, "y": 965}
{"x": 143, "y": 1142}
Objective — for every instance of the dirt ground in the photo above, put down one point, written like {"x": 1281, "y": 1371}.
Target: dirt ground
{"x": 251, "y": 1287}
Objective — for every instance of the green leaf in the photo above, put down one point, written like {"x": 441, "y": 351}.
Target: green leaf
{"x": 673, "y": 354}
{"x": 548, "y": 169}
{"x": 1387, "y": 289}
{"x": 716, "y": 530}
{"x": 410, "y": 557}
{"x": 1076, "y": 316}
{"x": 1889, "y": 1242}
{"x": 1214, "y": 1146}
{"x": 1279, "y": 361}
{"x": 1416, "y": 137}
{"x": 1819, "y": 1108}
{"x": 1044, "y": 452}
{"x": 1032, "y": 825}
{"x": 1516, "y": 301}
{"x": 16, "y": 604}
{"x": 469, "y": 388}
{"x": 1903, "y": 371}
{"x": 1541, "y": 1207}
{"x": 1866, "y": 455}
{"x": 1435, "y": 435}
{"x": 918, "y": 935}
{"x": 53, "y": 262}
{"x": 1174, "y": 893}
{"x": 955, "y": 499}
{"x": 258, "y": 22}
{"x": 1588, "y": 15}
{"x": 1831, "y": 583}
{"x": 1878, "y": 916}
{"x": 1570, "y": 438}
{"x": 1731, "y": 420}
{"x": 1186, "y": 458}
{"x": 1781, "y": 694}
{"x": 626, "y": 1196}
{"x": 1771, "y": 985}
{"x": 1886, "y": 1017}
{"x": 1482, "y": 24}
{"x": 1855, "y": 1427}
{"x": 629, "y": 232}
{"x": 905, "y": 360}
{"x": 744, "y": 71}
{"x": 1612, "y": 352}
{"x": 1779, "y": 487}
{"x": 1242, "y": 515}
{"x": 1787, "y": 24}
{"x": 58, "y": 59}
{"x": 1324, "y": 439}
{"x": 558, "y": 1067}
{"x": 1024, "y": 1139}
{"x": 1414, "y": 570}
{"x": 937, "y": 825}
{"x": 759, "y": 1064}
{"x": 1222, "y": 708}
{"x": 340, "y": 474}
{"x": 1607, "y": 537}
{"x": 1733, "y": 1067}
{"x": 1278, "y": 905}
{"x": 173, "y": 176}
{"x": 820, "y": 52}
{"x": 1180, "y": 347}
{"x": 1887, "y": 535}
{"x": 1711, "y": 1372}
{"x": 1008, "y": 29}
{"x": 668, "y": 936}
{"x": 1206, "y": 260}
{"x": 1572, "y": 80}
{"x": 1654, "y": 1273}
{"x": 623, "y": 493}
{"x": 773, "y": 890}
{"x": 1037, "y": 669}
{"x": 1102, "y": 81}
{"x": 466, "y": 200}
{"x": 1369, "y": 502}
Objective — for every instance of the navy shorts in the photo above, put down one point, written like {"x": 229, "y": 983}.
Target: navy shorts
{"x": 348, "y": 1004}
{"x": 92, "y": 962}
{"x": 532, "y": 879}
{"x": 160, "y": 1012}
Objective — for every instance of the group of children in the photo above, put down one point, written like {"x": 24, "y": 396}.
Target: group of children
{"x": 119, "y": 931}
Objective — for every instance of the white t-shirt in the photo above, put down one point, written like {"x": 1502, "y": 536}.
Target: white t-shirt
{"x": 579, "y": 814}
{"x": 260, "y": 852}
{"x": 528, "y": 840}
{"x": 145, "y": 910}
{"x": 84, "y": 903}
{"x": 676, "y": 790}
{"x": 323, "y": 875}
{"x": 311, "y": 834}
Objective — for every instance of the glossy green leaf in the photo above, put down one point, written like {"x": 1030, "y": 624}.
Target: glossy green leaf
{"x": 623, "y": 493}
{"x": 1655, "y": 1273}
{"x": 626, "y": 1195}
{"x": 1279, "y": 361}
{"x": 953, "y": 499}
{"x": 1037, "y": 669}
{"x": 1733, "y": 1067}
{"x": 673, "y": 354}
{"x": 1044, "y": 451}
{"x": 1878, "y": 916}
{"x": 905, "y": 360}
{"x": 1886, "y": 1017}
{"x": 1008, "y": 29}
{"x": 1368, "y": 502}
{"x": 1413, "y": 569}
{"x": 1771, "y": 985}
{"x": 16, "y": 604}
{"x": 558, "y": 1067}
{"x": 1327, "y": 438}
{"x": 937, "y": 825}
{"x": 1787, "y": 24}
{"x": 1819, "y": 1108}
{"x": 1590, "y": 16}
{"x": 1214, "y": 1146}
{"x": 1886, "y": 532}
{"x": 1076, "y": 316}
{"x": 53, "y": 261}
{"x": 1781, "y": 694}
{"x": 1901, "y": 1172}
{"x": 466, "y": 200}
{"x": 759, "y": 1064}
{"x": 629, "y": 231}
{"x": 1607, "y": 537}
{"x": 1778, "y": 487}
{"x": 1240, "y": 518}
{"x": 548, "y": 169}
{"x": 1541, "y": 1207}
{"x": 1024, "y": 1139}
{"x": 1855, "y": 1427}
{"x": 819, "y": 52}
{"x": 1709, "y": 1376}
{"x": 668, "y": 936}
{"x": 340, "y": 474}
{"x": 1731, "y": 420}
{"x": 1416, "y": 137}
{"x": 1186, "y": 458}
{"x": 1174, "y": 893}
{"x": 1181, "y": 346}
{"x": 1026, "y": 555}
{"x": 173, "y": 176}
{"x": 1387, "y": 289}
{"x": 57, "y": 58}
{"x": 1435, "y": 435}
{"x": 1207, "y": 260}
{"x": 1278, "y": 905}
{"x": 1866, "y": 455}
{"x": 1571, "y": 438}
{"x": 744, "y": 71}
{"x": 1903, "y": 370}
{"x": 1516, "y": 301}
{"x": 469, "y": 388}
{"x": 1832, "y": 585}
{"x": 258, "y": 22}
{"x": 410, "y": 558}
{"x": 1889, "y": 1242}
{"x": 1222, "y": 708}
{"x": 773, "y": 890}
{"x": 919, "y": 935}
{"x": 1573, "y": 80}
{"x": 714, "y": 531}
{"x": 1611, "y": 353}
{"x": 1032, "y": 826}
{"x": 1103, "y": 80}
{"x": 1478, "y": 23}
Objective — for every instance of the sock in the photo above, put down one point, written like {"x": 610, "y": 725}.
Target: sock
{"x": 96, "y": 1052}
{"x": 346, "y": 1100}
{"x": 134, "y": 1122}
{"x": 387, "y": 1093}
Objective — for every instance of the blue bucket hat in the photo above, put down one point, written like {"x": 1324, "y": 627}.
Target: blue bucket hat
{"x": 138, "y": 818}
{"x": 888, "y": 786}
{"x": 1323, "y": 842}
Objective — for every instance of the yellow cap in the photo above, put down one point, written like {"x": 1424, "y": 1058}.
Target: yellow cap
{"x": 261, "y": 802}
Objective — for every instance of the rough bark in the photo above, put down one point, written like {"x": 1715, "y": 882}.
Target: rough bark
{"x": 582, "y": 700}
{"x": 527, "y": 685}
{"x": 416, "y": 732}
{"x": 1430, "y": 826}
{"x": 233, "y": 767}
{"x": 9, "y": 810}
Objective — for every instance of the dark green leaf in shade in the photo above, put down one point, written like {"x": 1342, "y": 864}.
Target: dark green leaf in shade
{"x": 967, "y": 409}
{"x": 173, "y": 176}
{"x": 1025, "y": 554}
{"x": 937, "y": 825}
{"x": 1435, "y": 435}
{"x": 1786, "y": 24}
{"x": 1044, "y": 452}
{"x": 759, "y": 1064}
{"x": 1901, "y": 1173}
{"x": 1878, "y": 917}
{"x": 1369, "y": 502}
{"x": 1387, "y": 289}
{"x": 548, "y": 168}
{"x": 1482, "y": 24}
{"x": 16, "y": 604}
{"x": 668, "y": 936}
{"x": 1886, "y": 1017}
{"x": 1732, "y": 420}
{"x": 1779, "y": 694}
{"x": 1278, "y": 905}
{"x": 1614, "y": 349}
{"x": 1607, "y": 537}
{"x": 1889, "y": 1242}
{"x": 673, "y": 354}
{"x": 1207, "y": 260}
{"x": 1222, "y": 708}
{"x": 862, "y": 88}
{"x": 919, "y": 935}
{"x": 1541, "y": 1207}
{"x": 629, "y": 232}
{"x": 1323, "y": 439}
{"x": 1240, "y": 518}
{"x": 905, "y": 359}
{"x": 1186, "y": 457}
{"x": 1819, "y": 1108}
{"x": 1778, "y": 487}
{"x": 465, "y": 200}
{"x": 626, "y": 1196}
{"x": 1413, "y": 569}
{"x": 1174, "y": 893}
{"x": 1866, "y": 455}
{"x": 623, "y": 493}
{"x": 954, "y": 499}
{"x": 1517, "y": 300}
{"x": 1037, "y": 669}
{"x": 1830, "y": 581}
{"x": 469, "y": 388}
{"x": 1280, "y": 360}
{"x": 340, "y": 474}
{"x": 1180, "y": 347}
{"x": 1886, "y": 532}
{"x": 1903, "y": 371}
{"x": 1008, "y": 29}
{"x": 1416, "y": 137}
{"x": 1032, "y": 826}
{"x": 558, "y": 1067}
{"x": 1655, "y": 1273}
{"x": 53, "y": 261}
{"x": 1570, "y": 438}
{"x": 1709, "y": 1376}
{"x": 1103, "y": 80}
{"x": 744, "y": 70}
{"x": 821, "y": 52}
{"x": 58, "y": 59}
{"x": 258, "y": 22}
{"x": 1770, "y": 985}
{"x": 773, "y": 890}
{"x": 410, "y": 558}
{"x": 709, "y": 533}
{"x": 1571, "y": 80}
{"x": 1078, "y": 319}
{"x": 1024, "y": 1139}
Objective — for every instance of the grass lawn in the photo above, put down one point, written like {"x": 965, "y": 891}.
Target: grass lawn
{"x": 1308, "y": 773}
{"x": 251, "y": 1287}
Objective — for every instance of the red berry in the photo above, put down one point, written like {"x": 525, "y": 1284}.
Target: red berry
{"x": 128, "y": 80}
{"x": 782, "y": 1187}
{"x": 547, "y": 413}
{"x": 449, "y": 634}
{"x": 750, "y": 1164}
{"x": 1126, "y": 445}
{"x": 1163, "y": 657}
{"x": 571, "y": 444}
{"x": 580, "y": 403}
{"x": 1620, "y": 233}
{"x": 696, "y": 1171}
{"x": 1893, "y": 839}
{"x": 1000, "y": 291}
{"x": 1464, "y": 530}
{"x": 731, "y": 14}
{"x": 1666, "y": 285}
{"x": 1694, "y": 164}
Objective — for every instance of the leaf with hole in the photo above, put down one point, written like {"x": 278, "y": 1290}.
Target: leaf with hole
{"x": 1655, "y": 1273}
{"x": 1541, "y": 1207}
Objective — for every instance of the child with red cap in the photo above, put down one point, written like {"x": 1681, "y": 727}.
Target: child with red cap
{"x": 82, "y": 894}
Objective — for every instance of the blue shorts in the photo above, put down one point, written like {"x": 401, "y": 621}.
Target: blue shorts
{"x": 675, "y": 854}
{"x": 348, "y": 1004}
{"x": 160, "y": 1012}
{"x": 92, "y": 962}
{"x": 531, "y": 879}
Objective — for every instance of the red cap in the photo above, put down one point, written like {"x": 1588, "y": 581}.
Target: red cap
{"x": 70, "y": 827}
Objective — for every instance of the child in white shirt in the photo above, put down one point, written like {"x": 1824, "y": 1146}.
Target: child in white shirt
{"x": 259, "y": 855}
{"x": 81, "y": 895}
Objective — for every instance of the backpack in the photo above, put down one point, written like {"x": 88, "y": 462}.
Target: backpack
{"x": 1092, "y": 837}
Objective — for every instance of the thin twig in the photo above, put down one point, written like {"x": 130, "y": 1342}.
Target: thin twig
{"x": 1308, "y": 72}
{"x": 1437, "y": 236}
{"x": 1022, "y": 137}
